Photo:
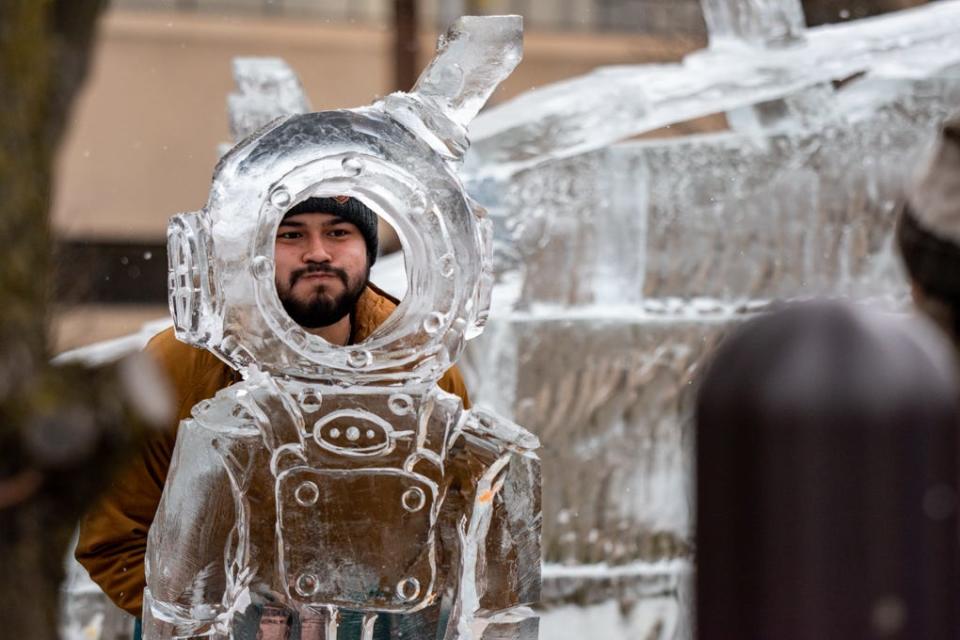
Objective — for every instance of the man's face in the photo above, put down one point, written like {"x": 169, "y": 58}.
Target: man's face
{"x": 321, "y": 268}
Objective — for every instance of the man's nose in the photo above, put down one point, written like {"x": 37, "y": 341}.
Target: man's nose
{"x": 316, "y": 250}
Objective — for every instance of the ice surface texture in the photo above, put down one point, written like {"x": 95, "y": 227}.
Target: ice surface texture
{"x": 769, "y": 213}
{"x": 796, "y": 199}
{"x": 336, "y": 492}
{"x": 626, "y": 260}
{"x": 753, "y": 22}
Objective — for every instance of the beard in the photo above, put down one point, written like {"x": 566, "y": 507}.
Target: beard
{"x": 321, "y": 307}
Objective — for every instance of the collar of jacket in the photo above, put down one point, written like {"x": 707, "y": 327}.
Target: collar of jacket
{"x": 372, "y": 309}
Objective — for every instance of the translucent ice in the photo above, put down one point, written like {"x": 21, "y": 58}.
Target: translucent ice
{"x": 338, "y": 490}
{"x": 473, "y": 57}
{"x": 267, "y": 88}
{"x": 85, "y": 613}
{"x": 753, "y": 22}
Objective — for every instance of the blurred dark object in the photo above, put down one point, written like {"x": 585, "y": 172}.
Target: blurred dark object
{"x": 406, "y": 44}
{"x": 103, "y": 272}
{"x": 62, "y": 430}
{"x": 827, "y": 480}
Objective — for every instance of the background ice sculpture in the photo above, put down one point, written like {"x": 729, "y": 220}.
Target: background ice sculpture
{"x": 621, "y": 263}
{"x": 337, "y": 492}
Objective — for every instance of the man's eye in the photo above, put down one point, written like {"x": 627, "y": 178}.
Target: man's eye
{"x": 288, "y": 235}
{"x": 339, "y": 233}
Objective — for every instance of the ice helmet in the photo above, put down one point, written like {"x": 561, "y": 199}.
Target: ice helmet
{"x": 399, "y": 157}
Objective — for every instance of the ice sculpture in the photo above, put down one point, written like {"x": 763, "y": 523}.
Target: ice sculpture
{"x": 611, "y": 104}
{"x": 642, "y": 253}
{"x": 336, "y": 492}
{"x": 85, "y": 613}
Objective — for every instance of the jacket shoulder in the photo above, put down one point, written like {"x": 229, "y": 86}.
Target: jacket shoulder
{"x": 196, "y": 374}
{"x": 452, "y": 382}
{"x": 373, "y": 308}
{"x": 165, "y": 346}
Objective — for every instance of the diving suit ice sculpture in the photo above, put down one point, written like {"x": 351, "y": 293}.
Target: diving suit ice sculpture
{"x": 337, "y": 492}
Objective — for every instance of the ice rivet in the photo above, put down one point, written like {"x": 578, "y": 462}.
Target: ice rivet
{"x": 334, "y": 433}
{"x": 448, "y": 265}
{"x": 408, "y": 589}
{"x": 229, "y": 344}
{"x": 353, "y": 434}
{"x": 400, "y": 404}
{"x": 371, "y": 434}
{"x": 307, "y": 494}
{"x": 433, "y": 322}
{"x": 280, "y": 198}
{"x": 309, "y": 399}
{"x": 307, "y": 585}
{"x": 297, "y": 338}
{"x": 353, "y": 166}
{"x": 418, "y": 205}
{"x": 262, "y": 267}
{"x": 413, "y": 499}
{"x": 358, "y": 359}
{"x": 200, "y": 408}
{"x": 241, "y": 414}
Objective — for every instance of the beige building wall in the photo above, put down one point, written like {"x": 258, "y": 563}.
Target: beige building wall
{"x": 142, "y": 144}
{"x": 144, "y": 133}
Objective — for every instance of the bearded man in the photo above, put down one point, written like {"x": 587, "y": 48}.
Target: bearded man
{"x": 324, "y": 250}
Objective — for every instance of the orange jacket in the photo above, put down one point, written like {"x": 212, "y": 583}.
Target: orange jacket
{"x": 113, "y": 534}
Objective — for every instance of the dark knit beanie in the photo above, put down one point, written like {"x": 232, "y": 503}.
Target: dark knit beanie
{"x": 928, "y": 231}
{"x": 932, "y": 261}
{"x": 350, "y": 210}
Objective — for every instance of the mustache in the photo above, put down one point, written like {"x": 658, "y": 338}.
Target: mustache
{"x": 318, "y": 268}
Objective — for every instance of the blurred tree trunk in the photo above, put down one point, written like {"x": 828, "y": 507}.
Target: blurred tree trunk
{"x": 829, "y": 11}
{"x": 477, "y": 7}
{"x": 406, "y": 44}
{"x": 60, "y": 428}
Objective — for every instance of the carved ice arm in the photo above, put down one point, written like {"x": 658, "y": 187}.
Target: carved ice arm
{"x": 501, "y": 539}
{"x": 196, "y": 513}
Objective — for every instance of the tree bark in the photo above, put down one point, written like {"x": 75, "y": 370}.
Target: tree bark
{"x": 61, "y": 429}
{"x": 406, "y": 44}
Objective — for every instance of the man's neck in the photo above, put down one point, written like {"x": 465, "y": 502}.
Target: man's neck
{"x": 337, "y": 333}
